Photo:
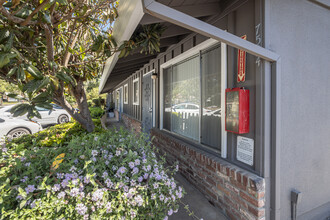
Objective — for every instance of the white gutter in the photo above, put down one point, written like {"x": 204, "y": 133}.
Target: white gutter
{"x": 130, "y": 14}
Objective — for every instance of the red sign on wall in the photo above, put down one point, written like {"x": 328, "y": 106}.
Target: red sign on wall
{"x": 241, "y": 61}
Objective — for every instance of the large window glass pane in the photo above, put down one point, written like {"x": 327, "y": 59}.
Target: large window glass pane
{"x": 167, "y": 82}
{"x": 211, "y": 98}
{"x": 186, "y": 98}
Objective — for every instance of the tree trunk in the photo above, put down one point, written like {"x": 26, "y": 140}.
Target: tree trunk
{"x": 83, "y": 117}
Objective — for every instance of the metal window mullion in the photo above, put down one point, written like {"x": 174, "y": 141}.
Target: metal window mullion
{"x": 200, "y": 98}
{"x": 171, "y": 93}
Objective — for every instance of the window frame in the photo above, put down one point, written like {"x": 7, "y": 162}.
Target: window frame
{"x": 126, "y": 93}
{"x": 137, "y": 82}
{"x": 189, "y": 53}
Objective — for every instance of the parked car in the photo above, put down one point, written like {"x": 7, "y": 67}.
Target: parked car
{"x": 16, "y": 127}
{"x": 55, "y": 116}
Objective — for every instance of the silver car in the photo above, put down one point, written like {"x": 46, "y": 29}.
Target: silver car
{"x": 48, "y": 117}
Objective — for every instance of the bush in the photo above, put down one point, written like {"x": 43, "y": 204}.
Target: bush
{"x": 55, "y": 135}
{"x": 96, "y": 112}
{"x": 110, "y": 175}
{"x": 97, "y": 102}
{"x": 90, "y": 103}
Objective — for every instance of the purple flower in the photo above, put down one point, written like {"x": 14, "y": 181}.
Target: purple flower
{"x": 27, "y": 164}
{"x": 97, "y": 195}
{"x": 30, "y": 188}
{"x": 166, "y": 218}
{"x": 135, "y": 170}
{"x": 59, "y": 175}
{"x": 22, "y": 158}
{"x": 19, "y": 197}
{"x": 4, "y": 150}
{"x": 106, "y": 162}
{"x": 75, "y": 161}
{"x": 94, "y": 153}
{"x": 24, "y": 179}
{"x": 56, "y": 187}
{"x": 161, "y": 197}
{"x": 139, "y": 200}
{"x": 137, "y": 162}
{"x": 74, "y": 192}
{"x": 105, "y": 174}
{"x": 86, "y": 180}
{"x": 125, "y": 188}
{"x": 94, "y": 159}
{"x": 140, "y": 179}
{"x": 73, "y": 168}
{"x": 144, "y": 161}
{"x": 153, "y": 196}
{"x": 170, "y": 212}
{"x": 108, "y": 207}
{"x": 81, "y": 209}
{"x": 121, "y": 170}
{"x": 64, "y": 183}
{"x": 155, "y": 185}
{"x": 145, "y": 176}
{"x": 131, "y": 165}
{"x": 133, "y": 214}
{"x": 109, "y": 183}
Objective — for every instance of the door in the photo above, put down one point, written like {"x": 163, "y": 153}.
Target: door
{"x": 147, "y": 102}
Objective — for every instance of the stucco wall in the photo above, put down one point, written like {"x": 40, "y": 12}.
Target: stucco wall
{"x": 300, "y": 32}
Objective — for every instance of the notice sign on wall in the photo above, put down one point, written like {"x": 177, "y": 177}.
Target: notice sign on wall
{"x": 245, "y": 150}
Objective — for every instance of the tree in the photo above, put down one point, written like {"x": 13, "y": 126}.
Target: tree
{"x": 50, "y": 48}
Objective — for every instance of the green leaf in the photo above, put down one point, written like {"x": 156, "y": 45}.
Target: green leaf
{"x": 62, "y": 2}
{"x": 34, "y": 72}
{"x": 12, "y": 71}
{"x": 22, "y": 204}
{"x": 9, "y": 43}
{"x": 4, "y": 60}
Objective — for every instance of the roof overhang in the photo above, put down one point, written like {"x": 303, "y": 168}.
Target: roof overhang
{"x": 131, "y": 13}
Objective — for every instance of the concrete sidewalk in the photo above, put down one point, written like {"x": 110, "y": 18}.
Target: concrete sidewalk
{"x": 196, "y": 201}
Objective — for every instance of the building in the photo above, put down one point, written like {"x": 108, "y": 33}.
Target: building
{"x": 260, "y": 151}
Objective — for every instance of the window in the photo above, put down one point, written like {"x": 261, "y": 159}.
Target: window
{"x": 136, "y": 92}
{"x": 192, "y": 94}
{"x": 126, "y": 94}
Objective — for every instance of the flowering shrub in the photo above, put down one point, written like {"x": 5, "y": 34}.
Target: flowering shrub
{"x": 55, "y": 135}
{"x": 112, "y": 175}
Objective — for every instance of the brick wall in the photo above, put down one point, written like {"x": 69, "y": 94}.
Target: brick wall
{"x": 131, "y": 123}
{"x": 240, "y": 194}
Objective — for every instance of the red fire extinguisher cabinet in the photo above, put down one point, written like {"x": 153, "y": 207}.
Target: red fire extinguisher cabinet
{"x": 238, "y": 110}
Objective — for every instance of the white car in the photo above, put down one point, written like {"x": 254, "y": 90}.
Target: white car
{"x": 15, "y": 127}
{"x": 56, "y": 116}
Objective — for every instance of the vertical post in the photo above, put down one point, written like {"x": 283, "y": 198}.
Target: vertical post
{"x": 223, "y": 99}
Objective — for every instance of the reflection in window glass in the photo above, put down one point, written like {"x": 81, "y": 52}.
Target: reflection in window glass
{"x": 136, "y": 92}
{"x": 186, "y": 93}
{"x": 211, "y": 98}
{"x": 167, "y": 82}
{"x": 182, "y": 98}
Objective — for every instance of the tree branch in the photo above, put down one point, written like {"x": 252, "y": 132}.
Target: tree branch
{"x": 12, "y": 18}
{"x": 35, "y": 11}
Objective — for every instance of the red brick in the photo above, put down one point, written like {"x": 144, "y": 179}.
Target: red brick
{"x": 239, "y": 177}
{"x": 232, "y": 188}
{"x": 211, "y": 181}
{"x": 253, "y": 201}
{"x": 231, "y": 203}
{"x": 222, "y": 189}
{"x": 210, "y": 168}
{"x": 257, "y": 195}
{"x": 245, "y": 180}
{"x": 256, "y": 212}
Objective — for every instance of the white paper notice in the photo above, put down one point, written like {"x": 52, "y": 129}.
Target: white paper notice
{"x": 245, "y": 150}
